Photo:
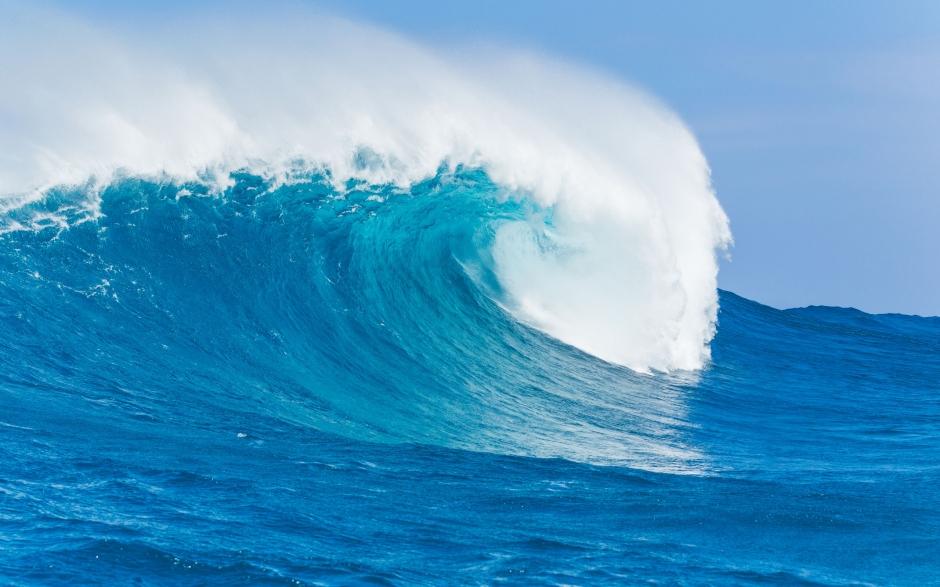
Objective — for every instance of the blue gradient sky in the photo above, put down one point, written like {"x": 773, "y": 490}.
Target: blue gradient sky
{"x": 821, "y": 121}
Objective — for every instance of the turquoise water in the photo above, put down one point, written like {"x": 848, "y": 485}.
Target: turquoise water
{"x": 300, "y": 385}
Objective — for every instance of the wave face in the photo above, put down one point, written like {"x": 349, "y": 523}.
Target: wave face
{"x": 290, "y": 382}
{"x": 373, "y": 312}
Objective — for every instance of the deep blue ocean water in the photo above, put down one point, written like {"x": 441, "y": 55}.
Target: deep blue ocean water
{"x": 289, "y": 385}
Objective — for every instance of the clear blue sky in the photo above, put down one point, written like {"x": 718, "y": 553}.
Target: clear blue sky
{"x": 821, "y": 121}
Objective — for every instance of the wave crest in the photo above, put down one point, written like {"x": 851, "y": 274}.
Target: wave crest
{"x": 618, "y": 259}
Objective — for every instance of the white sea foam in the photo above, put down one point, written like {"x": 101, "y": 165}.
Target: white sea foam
{"x": 626, "y": 269}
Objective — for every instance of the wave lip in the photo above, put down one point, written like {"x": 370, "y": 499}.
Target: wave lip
{"x": 617, "y": 260}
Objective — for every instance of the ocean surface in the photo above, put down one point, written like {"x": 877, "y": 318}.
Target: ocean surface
{"x": 297, "y": 384}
